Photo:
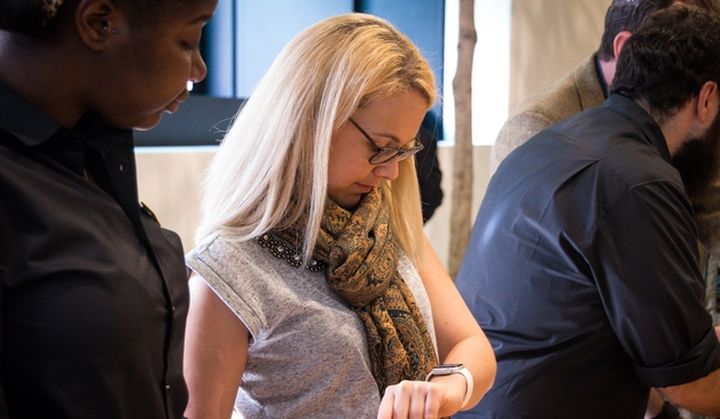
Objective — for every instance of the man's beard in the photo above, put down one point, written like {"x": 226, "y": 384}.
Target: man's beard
{"x": 697, "y": 160}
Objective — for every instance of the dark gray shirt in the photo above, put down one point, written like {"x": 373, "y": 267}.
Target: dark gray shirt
{"x": 582, "y": 271}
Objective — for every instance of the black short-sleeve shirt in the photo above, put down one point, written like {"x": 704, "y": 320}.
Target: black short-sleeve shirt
{"x": 93, "y": 293}
{"x": 582, "y": 271}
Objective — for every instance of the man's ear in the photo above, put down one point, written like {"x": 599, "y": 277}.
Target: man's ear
{"x": 619, "y": 42}
{"x": 97, "y": 21}
{"x": 708, "y": 103}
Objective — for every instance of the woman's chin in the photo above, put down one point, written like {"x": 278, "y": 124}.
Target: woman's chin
{"x": 147, "y": 123}
{"x": 348, "y": 202}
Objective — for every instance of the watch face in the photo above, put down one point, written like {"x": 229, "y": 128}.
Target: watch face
{"x": 445, "y": 369}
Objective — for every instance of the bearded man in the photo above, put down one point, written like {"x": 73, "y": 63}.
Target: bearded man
{"x": 582, "y": 266}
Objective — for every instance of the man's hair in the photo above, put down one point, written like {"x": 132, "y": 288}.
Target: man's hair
{"x": 629, "y": 15}
{"x": 666, "y": 62}
{"x": 626, "y": 15}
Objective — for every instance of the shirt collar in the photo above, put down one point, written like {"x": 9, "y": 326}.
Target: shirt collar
{"x": 34, "y": 127}
{"x": 600, "y": 76}
{"x": 628, "y": 108}
{"x": 24, "y": 120}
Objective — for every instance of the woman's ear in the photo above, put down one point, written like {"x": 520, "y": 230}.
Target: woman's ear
{"x": 97, "y": 21}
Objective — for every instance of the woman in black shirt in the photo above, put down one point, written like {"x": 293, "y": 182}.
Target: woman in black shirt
{"x": 93, "y": 293}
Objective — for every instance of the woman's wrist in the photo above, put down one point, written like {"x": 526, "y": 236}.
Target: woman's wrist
{"x": 456, "y": 374}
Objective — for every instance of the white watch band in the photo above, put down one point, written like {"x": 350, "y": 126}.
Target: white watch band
{"x": 469, "y": 389}
{"x": 455, "y": 370}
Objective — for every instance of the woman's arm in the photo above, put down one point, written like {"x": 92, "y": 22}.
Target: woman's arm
{"x": 460, "y": 340}
{"x": 216, "y": 344}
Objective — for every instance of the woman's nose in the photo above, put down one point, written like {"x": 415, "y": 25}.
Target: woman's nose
{"x": 388, "y": 170}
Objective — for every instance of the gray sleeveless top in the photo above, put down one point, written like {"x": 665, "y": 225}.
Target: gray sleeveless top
{"x": 307, "y": 355}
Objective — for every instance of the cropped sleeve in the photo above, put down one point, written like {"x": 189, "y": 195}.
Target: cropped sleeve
{"x": 223, "y": 270}
{"x": 645, "y": 262}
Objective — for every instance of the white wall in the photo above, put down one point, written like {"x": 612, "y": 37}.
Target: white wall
{"x": 169, "y": 183}
{"x": 549, "y": 38}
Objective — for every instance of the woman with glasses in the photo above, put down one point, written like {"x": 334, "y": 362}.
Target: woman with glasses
{"x": 315, "y": 292}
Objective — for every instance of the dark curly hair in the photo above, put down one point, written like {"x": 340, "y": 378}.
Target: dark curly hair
{"x": 629, "y": 15}
{"x": 35, "y": 17}
{"x": 669, "y": 58}
{"x": 626, "y": 15}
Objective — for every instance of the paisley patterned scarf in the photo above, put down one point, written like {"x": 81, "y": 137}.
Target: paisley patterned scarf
{"x": 361, "y": 254}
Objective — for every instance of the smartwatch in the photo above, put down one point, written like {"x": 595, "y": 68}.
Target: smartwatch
{"x": 447, "y": 369}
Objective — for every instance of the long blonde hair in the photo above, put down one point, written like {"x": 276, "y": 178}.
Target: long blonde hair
{"x": 270, "y": 171}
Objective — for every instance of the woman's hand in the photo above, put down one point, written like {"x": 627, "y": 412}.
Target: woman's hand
{"x": 440, "y": 397}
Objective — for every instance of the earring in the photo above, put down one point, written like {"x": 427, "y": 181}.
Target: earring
{"x": 106, "y": 29}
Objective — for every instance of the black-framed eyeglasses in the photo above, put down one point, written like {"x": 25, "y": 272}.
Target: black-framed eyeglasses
{"x": 385, "y": 154}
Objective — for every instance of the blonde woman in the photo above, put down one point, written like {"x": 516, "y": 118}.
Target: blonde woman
{"x": 315, "y": 292}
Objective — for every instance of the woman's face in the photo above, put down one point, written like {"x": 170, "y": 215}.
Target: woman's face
{"x": 390, "y": 122}
{"x": 147, "y": 69}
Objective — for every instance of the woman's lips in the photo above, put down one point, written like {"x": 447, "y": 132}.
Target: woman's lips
{"x": 175, "y": 104}
{"x": 364, "y": 188}
{"x": 173, "y": 107}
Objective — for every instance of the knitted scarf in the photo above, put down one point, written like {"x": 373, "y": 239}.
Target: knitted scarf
{"x": 361, "y": 254}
